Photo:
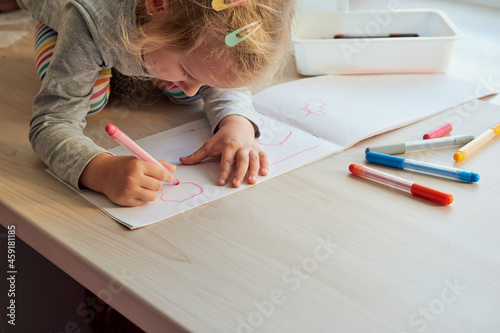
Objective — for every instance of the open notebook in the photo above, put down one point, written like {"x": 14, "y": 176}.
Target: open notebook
{"x": 301, "y": 121}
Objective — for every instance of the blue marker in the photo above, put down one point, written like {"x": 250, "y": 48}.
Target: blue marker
{"x": 422, "y": 167}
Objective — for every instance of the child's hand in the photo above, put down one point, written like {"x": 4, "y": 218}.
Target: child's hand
{"x": 235, "y": 142}
{"x": 125, "y": 180}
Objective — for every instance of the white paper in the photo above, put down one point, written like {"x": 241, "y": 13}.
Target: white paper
{"x": 287, "y": 148}
{"x": 332, "y": 112}
{"x": 348, "y": 109}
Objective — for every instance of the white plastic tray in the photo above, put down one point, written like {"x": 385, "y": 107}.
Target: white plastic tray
{"x": 317, "y": 52}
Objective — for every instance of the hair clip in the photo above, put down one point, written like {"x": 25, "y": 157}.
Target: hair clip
{"x": 232, "y": 38}
{"x": 219, "y": 5}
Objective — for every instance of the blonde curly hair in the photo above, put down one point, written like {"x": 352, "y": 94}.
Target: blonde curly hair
{"x": 187, "y": 24}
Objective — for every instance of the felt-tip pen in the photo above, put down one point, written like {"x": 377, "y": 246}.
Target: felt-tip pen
{"x": 116, "y": 134}
{"x": 422, "y": 167}
{"x": 401, "y": 184}
{"x": 343, "y": 36}
{"x": 401, "y": 148}
{"x": 477, "y": 142}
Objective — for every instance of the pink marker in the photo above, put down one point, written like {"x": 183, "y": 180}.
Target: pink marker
{"x": 438, "y": 132}
{"x": 116, "y": 134}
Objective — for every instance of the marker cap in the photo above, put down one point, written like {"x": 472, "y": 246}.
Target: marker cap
{"x": 431, "y": 194}
{"x": 496, "y": 128}
{"x": 469, "y": 177}
{"x": 438, "y": 132}
{"x": 459, "y": 156}
{"x": 110, "y": 129}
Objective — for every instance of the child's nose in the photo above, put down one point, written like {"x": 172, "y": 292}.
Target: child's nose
{"x": 190, "y": 88}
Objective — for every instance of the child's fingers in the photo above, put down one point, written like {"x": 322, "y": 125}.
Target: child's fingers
{"x": 242, "y": 163}
{"x": 254, "y": 167}
{"x": 226, "y": 165}
{"x": 159, "y": 173}
{"x": 169, "y": 166}
{"x": 197, "y": 156}
{"x": 143, "y": 195}
{"x": 151, "y": 184}
{"x": 264, "y": 163}
{"x": 136, "y": 197}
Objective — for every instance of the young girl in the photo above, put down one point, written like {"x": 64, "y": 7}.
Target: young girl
{"x": 204, "y": 47}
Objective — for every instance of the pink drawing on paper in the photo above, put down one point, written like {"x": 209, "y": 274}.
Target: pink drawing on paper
{"x": 274, "y": 144}
{"x": 190, "y": 130}
{"x": 300, "y": 152}
{"x": 314, "y": 106}
{"x": 262, "y": 122}
{"x": 278, "y": 144}
{"x": 181, "y": 192}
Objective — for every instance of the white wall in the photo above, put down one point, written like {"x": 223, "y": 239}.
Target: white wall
{"x": 322, "y": 5}
{"x": 491, "y": 3}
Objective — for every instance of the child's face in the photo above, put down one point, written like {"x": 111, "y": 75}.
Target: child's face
{"x": 188, "y": 72}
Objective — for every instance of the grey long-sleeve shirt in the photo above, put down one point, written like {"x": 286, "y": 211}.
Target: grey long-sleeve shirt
{"x": 88, "y": 42}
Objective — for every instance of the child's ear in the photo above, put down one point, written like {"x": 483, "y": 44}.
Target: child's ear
{"x": 154, "y": 7}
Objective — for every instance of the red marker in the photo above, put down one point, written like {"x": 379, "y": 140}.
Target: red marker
{"x": 401, "y": 184}
{"x": 116, "y": 134}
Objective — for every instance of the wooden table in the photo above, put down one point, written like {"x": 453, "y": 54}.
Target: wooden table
{"x": 314, "y": 250}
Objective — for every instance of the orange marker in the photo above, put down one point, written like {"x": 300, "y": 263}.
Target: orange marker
{"x": 476, "y": 143}
{"x": 401, "y": 184}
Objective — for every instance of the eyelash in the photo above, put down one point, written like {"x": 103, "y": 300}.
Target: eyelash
{"x": 186, "y": 74}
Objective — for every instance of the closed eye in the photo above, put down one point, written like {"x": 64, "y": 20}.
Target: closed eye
{"x": 186, "y": 74}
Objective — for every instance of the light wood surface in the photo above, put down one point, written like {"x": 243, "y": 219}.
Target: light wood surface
{"x": 314, "y": 250}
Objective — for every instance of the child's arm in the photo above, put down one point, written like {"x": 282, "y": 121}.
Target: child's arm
{"x": 56, "y": 128}
{"x": 60, "y": 107}
{"x": 233, "y": 120}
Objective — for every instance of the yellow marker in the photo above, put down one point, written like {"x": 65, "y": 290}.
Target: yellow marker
{"x": 477, "y": 142}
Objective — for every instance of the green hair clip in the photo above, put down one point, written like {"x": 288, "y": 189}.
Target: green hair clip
{"x": 232, "y": 38}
